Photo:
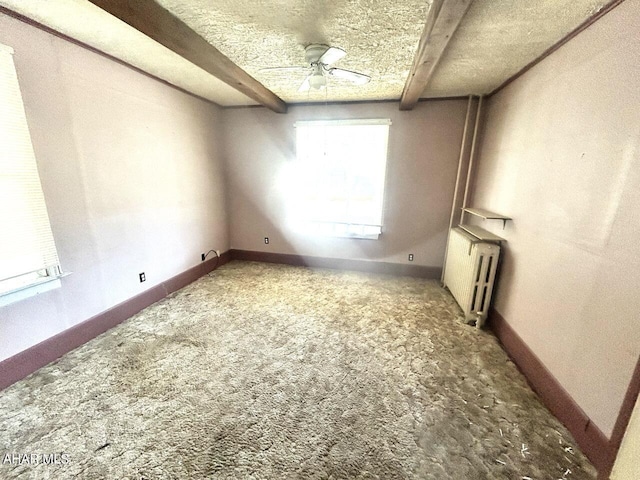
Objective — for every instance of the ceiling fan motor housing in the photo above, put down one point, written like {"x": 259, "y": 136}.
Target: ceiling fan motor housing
{"x": 314, "y": 51}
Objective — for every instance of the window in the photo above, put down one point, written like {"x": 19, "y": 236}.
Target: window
{"x": 341, "y": 167}
{"x": 28, "y": 258}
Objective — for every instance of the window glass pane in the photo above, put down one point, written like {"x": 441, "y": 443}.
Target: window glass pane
{"x": 27, "y": 248}
{"x": 342, "y": 167}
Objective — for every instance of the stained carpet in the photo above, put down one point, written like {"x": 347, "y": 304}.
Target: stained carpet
{"x": 275, "y": 372}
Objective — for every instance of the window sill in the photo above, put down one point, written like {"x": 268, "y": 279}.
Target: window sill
{"x": 340, "y": 230}
{"x": 31, "y": 290}
{"x": 373, "y": 236}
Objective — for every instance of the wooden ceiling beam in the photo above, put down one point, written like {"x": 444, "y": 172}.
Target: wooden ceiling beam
{"x": 442, "y": 21}
{"x": 148, "y": 17}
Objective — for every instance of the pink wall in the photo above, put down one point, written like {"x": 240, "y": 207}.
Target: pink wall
{"x": 561, "y": 155}
{"x": 133, "y": 177}
{"x": 424, "y": 145}
{"x": 131, "y": 174}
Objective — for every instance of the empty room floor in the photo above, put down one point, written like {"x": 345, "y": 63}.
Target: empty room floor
{"x": 264, "y": 371}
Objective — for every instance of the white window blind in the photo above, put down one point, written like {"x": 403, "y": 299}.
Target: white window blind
{"x": 27, "y": 250}
{"x": 343, "y": 163}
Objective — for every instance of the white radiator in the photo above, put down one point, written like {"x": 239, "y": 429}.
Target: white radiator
{"x": 470, "y": 272}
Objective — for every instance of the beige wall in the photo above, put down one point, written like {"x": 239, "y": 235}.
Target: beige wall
{"x": 131, "y": 175}
{"x": 423, "y": 153}
{"x": 561, "y": 155}
{"x": 134, "y": 182}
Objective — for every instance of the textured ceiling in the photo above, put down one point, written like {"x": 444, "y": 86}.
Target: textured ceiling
{"x": 494, "y": 41}
{"x": 379, "y": 36}
{"x": 89, "y": 24}
{"x": 497, "y": 38}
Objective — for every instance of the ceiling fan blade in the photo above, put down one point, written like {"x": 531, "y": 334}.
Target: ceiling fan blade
{"x": 332, "y": 55}
{"x": 355, "y": 77}
{"x": 306, "y": 86}
{"x": 284, "y": 69}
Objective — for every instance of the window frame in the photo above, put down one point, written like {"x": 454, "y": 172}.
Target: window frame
{"x": 26, "y": 284}
{"x": 331, "y": 229}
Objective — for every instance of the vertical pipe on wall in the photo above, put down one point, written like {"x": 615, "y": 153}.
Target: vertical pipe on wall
{"x": 471, "y": 156}
{"x": 455, "y": 191}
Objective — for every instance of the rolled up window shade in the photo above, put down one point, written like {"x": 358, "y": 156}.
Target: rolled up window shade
{"x": 26, "y": 239}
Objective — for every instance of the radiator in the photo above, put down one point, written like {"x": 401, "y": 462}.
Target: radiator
{"x": 470, "y": 272}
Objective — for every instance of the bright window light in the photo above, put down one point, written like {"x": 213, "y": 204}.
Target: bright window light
{"x": 341, "y": 168}
{"x": 28, "y": 254}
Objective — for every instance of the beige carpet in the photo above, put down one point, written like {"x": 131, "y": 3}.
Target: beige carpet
{"x": 275, "y": 372}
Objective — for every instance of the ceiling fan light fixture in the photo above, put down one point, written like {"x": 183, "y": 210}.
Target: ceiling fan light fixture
{"x": 317, "y": 81}
{"x": 319, "y": 57}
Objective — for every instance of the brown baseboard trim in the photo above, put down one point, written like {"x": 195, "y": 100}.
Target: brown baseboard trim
{"x": 338, "y": 264}
{"x": 593, "y": 443}
{"x": 28, "y": 361}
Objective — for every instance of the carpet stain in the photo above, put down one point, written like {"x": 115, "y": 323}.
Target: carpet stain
{"x": 262, "y": 371}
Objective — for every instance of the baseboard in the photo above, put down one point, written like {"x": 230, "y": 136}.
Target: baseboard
{"x": 28, "y": 361}
{"x": 593, "y": 443}
{"x": 600, "y": 450}
{"x": 338, "y": 263}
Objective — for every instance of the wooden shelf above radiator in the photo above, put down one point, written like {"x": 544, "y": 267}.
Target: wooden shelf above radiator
{"x": 481, "y": 234}
{"x": 487, "y": 215}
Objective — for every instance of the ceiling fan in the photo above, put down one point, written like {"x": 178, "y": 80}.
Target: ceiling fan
{"x": 319, "y": 58}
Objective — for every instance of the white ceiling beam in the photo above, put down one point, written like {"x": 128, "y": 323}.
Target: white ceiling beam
{"x": 442, "y": 21}
{"x": 156, "y": 22}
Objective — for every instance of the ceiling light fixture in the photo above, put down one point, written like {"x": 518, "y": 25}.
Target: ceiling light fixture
{"x": 319, "y": 58}
{"x": 317, "y": 80}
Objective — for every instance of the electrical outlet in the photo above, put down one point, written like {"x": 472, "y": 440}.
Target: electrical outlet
{"x": 411, "y": 257}
{"x": 202, "y": 257}
{"x": 142, "y": 277}
{"x": 266, "y": 240}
